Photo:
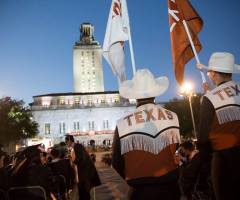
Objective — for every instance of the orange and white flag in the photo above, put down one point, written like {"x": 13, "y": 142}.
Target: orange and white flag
{"x": 180, "y": 11}
{"x": 116, "y": 34}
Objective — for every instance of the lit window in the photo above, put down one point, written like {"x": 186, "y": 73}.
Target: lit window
{"x": 62, "y": 101}
{"x": 62, "y": 128}
{"x": 76, "y": 100}
{"x": 47, "y": 129}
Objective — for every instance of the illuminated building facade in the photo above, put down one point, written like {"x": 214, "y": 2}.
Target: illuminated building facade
{"x": 87, "y": 116}
{"x": 89, "y": 113}
{"x": 87, "y": 62}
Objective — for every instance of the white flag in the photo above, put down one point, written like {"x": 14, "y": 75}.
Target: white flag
{"x": 116, "y": 33}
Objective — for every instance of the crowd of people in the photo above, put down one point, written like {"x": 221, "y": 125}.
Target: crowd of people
{"x": 57, "y": 171}
{"x": 147, "y": 150}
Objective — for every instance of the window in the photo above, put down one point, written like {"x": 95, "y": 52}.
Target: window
{"x": 62, "y": 101}
{"x": 47, "y": 129}
{"x": 91, "y": 125}
{"x": 89, "y": 101}
{"x": 62, "y": 128}
{"x": 105, "y": 124}
{"x": 76, "y": 126}
{"x": 76, "y": 100}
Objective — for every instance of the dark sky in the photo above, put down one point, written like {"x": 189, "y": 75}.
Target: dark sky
{"x": 37, "y": 37}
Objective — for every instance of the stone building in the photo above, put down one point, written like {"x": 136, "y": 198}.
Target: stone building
{"x": 88, "y": 113}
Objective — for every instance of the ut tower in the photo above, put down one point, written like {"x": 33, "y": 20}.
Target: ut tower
{"x": 87, "y": 62}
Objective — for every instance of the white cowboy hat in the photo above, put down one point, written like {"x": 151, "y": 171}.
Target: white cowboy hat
{"x": 143, "y": 85}
{"x": 222, "y": 62}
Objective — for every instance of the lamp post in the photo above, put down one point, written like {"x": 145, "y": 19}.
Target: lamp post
{"x": 187, "y": 90}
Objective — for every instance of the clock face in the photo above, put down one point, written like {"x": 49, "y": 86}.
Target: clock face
{"x": 86, "y": 40}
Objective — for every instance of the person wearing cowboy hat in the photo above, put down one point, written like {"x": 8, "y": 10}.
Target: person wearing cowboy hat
{"x": 219, "y": 128}
{"x": 145, "y": 140}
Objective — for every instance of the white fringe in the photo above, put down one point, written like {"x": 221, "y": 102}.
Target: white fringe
{"x": 149, "y": 144}
{"x": 228, "y": 114}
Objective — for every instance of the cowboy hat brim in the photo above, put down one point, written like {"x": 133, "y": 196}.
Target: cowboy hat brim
{"x": 129, "y": 90}
{"x": 234, "y": 70}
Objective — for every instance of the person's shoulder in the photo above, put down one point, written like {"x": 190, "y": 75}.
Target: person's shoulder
{"x": 167, "y": 111}
{"x": 205, "y": 101}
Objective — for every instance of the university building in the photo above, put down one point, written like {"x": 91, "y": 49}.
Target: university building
{"x": 88, "y": 113}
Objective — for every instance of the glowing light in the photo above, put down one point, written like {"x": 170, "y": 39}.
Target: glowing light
{"x": 91, "y": 133}
{"x": 187, "y": 88}
{"x": 46, "y": 101}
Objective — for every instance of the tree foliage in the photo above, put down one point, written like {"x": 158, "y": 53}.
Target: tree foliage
{"x": 15, "y": 121}
{"x": 182, "y": 108}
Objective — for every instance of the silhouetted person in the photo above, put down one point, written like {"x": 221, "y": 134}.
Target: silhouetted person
{"x": 87, "y": 175}
{"x": 61, "y": 166}
{"x": 3, "y": 172}
{"x": 30, "y": 171}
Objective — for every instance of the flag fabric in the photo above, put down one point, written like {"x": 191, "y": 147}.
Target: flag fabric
{"x": 117, "y": 33}
{"x": 180, "y": 10}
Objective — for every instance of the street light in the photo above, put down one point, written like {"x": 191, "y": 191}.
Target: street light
{"x": 187, "y": 90}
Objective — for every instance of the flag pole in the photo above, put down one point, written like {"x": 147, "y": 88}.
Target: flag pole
{"x": 193, "y": 48}
{"x": 130, "y": 45}
{"x": 131, "y": 52}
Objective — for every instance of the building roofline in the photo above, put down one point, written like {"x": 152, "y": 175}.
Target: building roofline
{"x": 76, "y": 93}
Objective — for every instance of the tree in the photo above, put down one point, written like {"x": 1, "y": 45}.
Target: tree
{"x": 182, "y": 109}
{"x": 15, "y": 121}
